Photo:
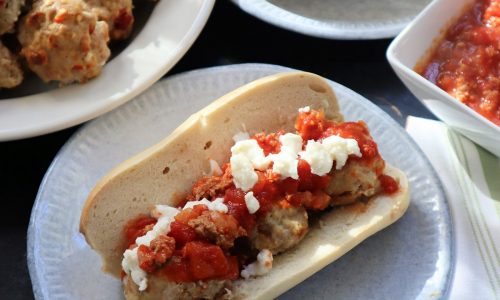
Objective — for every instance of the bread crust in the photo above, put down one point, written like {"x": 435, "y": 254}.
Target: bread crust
{"x": 164, "y": 173}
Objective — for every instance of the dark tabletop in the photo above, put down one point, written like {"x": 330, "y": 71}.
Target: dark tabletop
{"x": 230, "y": 36}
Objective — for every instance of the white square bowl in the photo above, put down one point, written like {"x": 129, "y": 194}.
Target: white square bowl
{"x": 411, "y": 45}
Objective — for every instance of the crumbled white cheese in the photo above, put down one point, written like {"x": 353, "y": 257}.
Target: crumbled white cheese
{"x": 251, "y": 202}
{"x": 216, "y": 205}
{"x": 164, "y": 210}
{"x": 246, "y": 156}
{"x": 244, "y": 175}
{"x": 252, "y": 151}
{"x": 291, "y": 143}
{"x": 317, "y": 157}
{"x": 341, "y": 148}
{"x": 162, "y": 226}
{"x": 320, "y": 155}
{"x": 130, "y": 264}
{"x": 304, "y": 109}
{"x": 261, "y": 266}
{"x": 285, "y": 163}
{"x": 215, "y": 168}
{"x": 241, "y": 136}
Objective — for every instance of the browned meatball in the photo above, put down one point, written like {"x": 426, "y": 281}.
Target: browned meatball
{"x": 11, "y": 74}
{"x": 218, "y": 227}
{"x": 353, "y": 181}
{"x": 159, "y": 289}
{"x": 280, "y": 229}
{"x": 9, "y": 12}
{"x": 118, "y": 15}
{"x": 63, "y": 41}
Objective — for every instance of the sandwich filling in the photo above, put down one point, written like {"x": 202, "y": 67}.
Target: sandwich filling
{"x": 257, "y": 205}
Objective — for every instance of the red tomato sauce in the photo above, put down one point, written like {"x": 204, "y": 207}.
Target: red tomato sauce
{"x": 195, "y": 258}
{"x": 389, "y": 185}
{"x": 314, "y": 126}
{"x": 199, "y": 260}
{"x": 466, "y": 63}
{"x": 137, "y": 227}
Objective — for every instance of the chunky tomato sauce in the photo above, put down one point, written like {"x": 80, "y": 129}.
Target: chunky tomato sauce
{"x": 138, "y": 227}
{"x": 200, "y": 261}
{"x": 466, "y": 63}
{"x": 183, "y": 255}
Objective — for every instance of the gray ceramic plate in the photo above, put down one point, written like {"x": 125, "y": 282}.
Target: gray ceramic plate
{"x": 337, "y": 19}
{"x": 411, "y": 259}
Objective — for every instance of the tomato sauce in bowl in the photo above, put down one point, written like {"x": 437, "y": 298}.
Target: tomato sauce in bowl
{"x": 466, "y": 62}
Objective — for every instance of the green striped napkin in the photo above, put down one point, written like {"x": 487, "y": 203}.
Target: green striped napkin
{"x": 471, "y": 179}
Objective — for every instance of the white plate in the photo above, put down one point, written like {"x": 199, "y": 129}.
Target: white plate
{"x": 169, "y": 32}
{"x": 337, "y": 19}
{"x": 410, "y": 259}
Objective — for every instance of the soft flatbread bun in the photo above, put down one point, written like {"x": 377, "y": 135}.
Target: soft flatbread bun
{"x": 164, "y": 173}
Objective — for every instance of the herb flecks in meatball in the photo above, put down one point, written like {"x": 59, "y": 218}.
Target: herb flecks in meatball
{"x": 64, "y": 41}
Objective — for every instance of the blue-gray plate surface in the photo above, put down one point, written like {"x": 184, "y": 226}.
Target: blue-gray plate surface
{"x": 411, "y": 259}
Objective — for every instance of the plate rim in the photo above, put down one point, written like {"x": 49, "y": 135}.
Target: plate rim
{"x": 447, "y": 235}
{"x": 267, "y": 12}
{"x": 187, "y": 40}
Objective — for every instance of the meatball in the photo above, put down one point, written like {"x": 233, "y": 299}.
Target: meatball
{"x": 211, "y": 186}
{"x": 62, "y": 40}
{"x": 221, "y": 228}
{"x": 118, "y": 15}
{"x": 9, "y": 12}
{"x": 353, "y": 181}
{"x": 280, "y": 229}
{"x": 11, "y": 74}
{"x": 159, "y": 288}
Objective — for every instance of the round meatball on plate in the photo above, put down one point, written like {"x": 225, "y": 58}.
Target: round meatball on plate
{"x": 64, "y": 41}
{"x": 9, "y": 12}
{"x": 117, "y": 14}
{"x": 11, "y": 74}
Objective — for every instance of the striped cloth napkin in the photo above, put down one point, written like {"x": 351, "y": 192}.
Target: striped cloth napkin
{"x": 471, "y": 179}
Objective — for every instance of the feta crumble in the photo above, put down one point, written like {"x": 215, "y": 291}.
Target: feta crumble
{"x": 305, "y": 109}
{"x": 341, "y": 148}
{"x": 320, "y": 155}
{"x": 162, "y": 226}
{"x": 253, "y": 152}
{"x": 252, "y": 203}
{"x": 261, "y": 266}
{"x": 130, "y": 264}
{"x": 244, "y": 176}
{"x": 317, "y": 157}
{"x": 285, "y": 163}
{"x": 216, "y": 205}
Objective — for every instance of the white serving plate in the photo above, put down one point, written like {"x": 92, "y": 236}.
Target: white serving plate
{"x": 411, "y": 259}
{"x": 168, "y": 33}
{"x": 337, "y": 19}
{"x": 409, "y": 48}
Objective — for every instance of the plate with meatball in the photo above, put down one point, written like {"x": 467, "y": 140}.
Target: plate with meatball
{"x": 63, "y": 62}
{"x": 411, "y": 259}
